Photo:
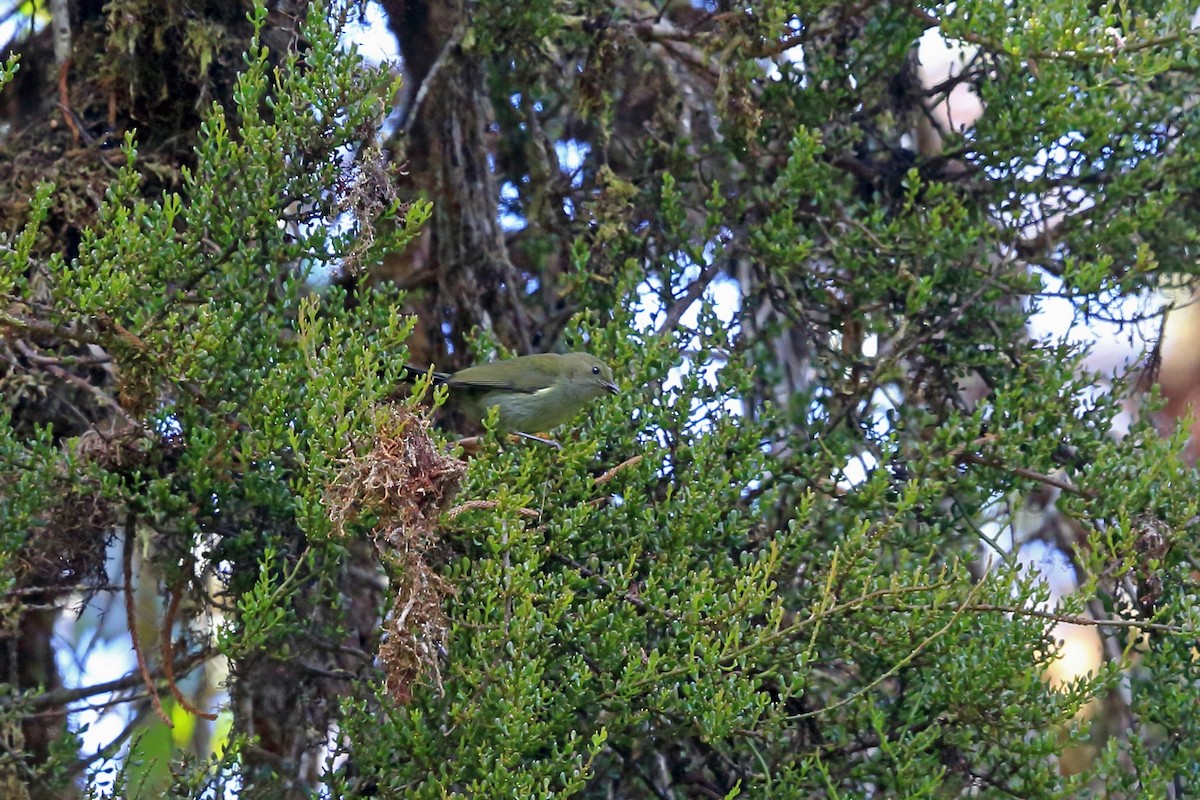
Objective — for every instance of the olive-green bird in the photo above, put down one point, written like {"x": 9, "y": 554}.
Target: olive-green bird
{"x": 532, "y": 393}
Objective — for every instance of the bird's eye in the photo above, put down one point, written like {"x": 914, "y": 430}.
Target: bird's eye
{"x": 595, "y": 370}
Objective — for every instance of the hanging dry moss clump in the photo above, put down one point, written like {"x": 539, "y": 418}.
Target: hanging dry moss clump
{"x": 403, "y": 483}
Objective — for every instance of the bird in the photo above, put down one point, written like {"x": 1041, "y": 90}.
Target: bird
{"x": 531, "y": 393}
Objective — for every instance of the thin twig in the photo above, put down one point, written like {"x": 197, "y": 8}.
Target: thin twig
{"x": 168, "y": 656}
{"x": 8, "y": 320}
{"x": 680, "y": 306}
{"x": 131, "y": 619}
{"x": 899, "y": 665}
{"x": 64, "y": 105}
{"x": 95, "y": 391}
{"x": 1070, "y": 619}
{"x": 487, "y": 505}
{"x": 59, "y": 697}
{"x": 605, "y": 477}
{"x": 1049, "y": 480}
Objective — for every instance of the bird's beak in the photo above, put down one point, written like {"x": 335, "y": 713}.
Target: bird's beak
{"x": 611, "y": 387}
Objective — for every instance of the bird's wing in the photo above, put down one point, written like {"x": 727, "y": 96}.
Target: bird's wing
{"x": 538, "y": 373}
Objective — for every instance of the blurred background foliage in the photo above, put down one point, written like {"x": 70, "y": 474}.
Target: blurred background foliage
{"x": 898, "y": 498}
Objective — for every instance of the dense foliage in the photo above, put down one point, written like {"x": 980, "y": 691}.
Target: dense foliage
{"x": 784, "y": 562}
